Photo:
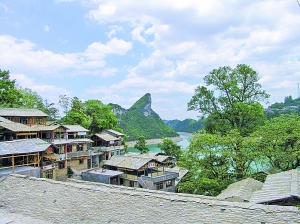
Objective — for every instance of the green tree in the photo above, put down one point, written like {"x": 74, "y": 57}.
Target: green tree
{"x": 170, "y": 148}
{"x": 31, "y": 99}
{"x": 216, "y": 161}
{"x": 102, "y": 116}
{"x": 234, "y": 102}
{"x": 278, "y": 142}
{"x": 141, "y": 145}
{"x": 10, "y": 96}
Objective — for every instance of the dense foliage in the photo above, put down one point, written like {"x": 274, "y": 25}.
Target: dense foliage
{"x": 187, "y": 125}
{"x": 10, "y": 95}
{"x": 170, "y": 148}
{"x": 140, "y": 119}
{"x": 234, "y": 101}
{"x": 224, "y": 152}
{"x": 91, "y": 114}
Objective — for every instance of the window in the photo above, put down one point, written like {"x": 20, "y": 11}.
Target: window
{"x": 159, "y": 186}
{"x": 81, "y": 161}
{"x": 169, "y": 183}
{"x": 79, "y": 148}
{"x": 112, "y": 153}
{"x": 61, "y": 165}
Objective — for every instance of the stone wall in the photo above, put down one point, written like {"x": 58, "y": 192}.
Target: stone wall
{"x": 88, "y": 202}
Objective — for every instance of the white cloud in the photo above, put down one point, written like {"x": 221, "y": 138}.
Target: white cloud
{"x": 46, "y": 28}
{"x": 113, "y": 30}
{"x": 49, "y": 92}
{"x": 23, "y": 55}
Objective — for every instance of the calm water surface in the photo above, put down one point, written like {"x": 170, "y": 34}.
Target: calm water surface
{"x": 153, "y": 148}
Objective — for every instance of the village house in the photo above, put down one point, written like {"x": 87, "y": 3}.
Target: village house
{"x": 136, "y": 171}
{"x": 70, "y": 145}
{"x": 105, "y": 145}
{"x": 23, "y": 156}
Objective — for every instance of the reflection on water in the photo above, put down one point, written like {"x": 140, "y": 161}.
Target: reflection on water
{"x": 184, "y": 143}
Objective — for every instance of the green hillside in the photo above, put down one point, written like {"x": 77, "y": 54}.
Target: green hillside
{"x": 141, "y": 120}
{"x": 187, "y": 125}
{"x": 289, "y": 106}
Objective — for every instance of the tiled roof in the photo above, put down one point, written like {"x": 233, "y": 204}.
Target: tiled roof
{"x": 115, "y": 132}
{"x": 278, "y": 186}
{"x": 23, "y": 146}
{"x": 16, "y": 127}
{"x": 242, "y": 189}
{"x": 106, "y": 137}
{"x": 75, "y": 128}
{"x": 21, "y": 112}
{"x": 151, "y": 155}
{"x": 45, "y": 128}
{"x": 127, "y": 162}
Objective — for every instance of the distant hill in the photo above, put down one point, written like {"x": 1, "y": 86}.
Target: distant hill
{"x": 187, "y": 125}
{"x": 289, "y": 106}
{"x": 141, "y": 120}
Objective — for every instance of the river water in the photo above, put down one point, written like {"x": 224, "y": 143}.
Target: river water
{"x": 184, "y": 143}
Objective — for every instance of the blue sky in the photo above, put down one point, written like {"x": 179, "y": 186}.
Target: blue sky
{"x": 117, "y": 51}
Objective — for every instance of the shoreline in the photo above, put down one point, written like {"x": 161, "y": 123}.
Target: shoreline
{"x": 154, "y": 141}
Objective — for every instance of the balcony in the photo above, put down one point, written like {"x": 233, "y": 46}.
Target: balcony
{"x": 78, "y": 154}
{"x": 160, "y": 177}
{"x": 107, "y": 149}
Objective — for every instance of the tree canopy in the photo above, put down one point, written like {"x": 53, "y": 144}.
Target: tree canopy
{"x": 170, "y": 148}
{"x": 225, "y": 151}
{"x": 230, "y": 100}
{"x": 91, "y": 114}
{"x": 141, "y": 145}
{"x": 10, "y": 95}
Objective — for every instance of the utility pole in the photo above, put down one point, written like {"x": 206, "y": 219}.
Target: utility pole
{"x": 298, "y": 91}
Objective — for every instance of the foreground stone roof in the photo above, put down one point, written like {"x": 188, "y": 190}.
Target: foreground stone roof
{"x": 242, "y": 190}
{"x": 87, "y": 202}
{"x": 278, "y": 186}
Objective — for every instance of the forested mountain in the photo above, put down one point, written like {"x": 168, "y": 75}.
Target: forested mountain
{"x": 141, "y": 120}
{"x": 289, "y": 106}
{"x": 187, "y": 125}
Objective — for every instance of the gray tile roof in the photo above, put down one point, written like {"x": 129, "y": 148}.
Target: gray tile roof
{"x": 21, "y": 112}
{"x": 2, "y": 119}
{"x": 151, "y": 155}
{"x": 45, "y": 128}
{"x": 278, "y": 186}
{"x": 16, "y": 127}
{"x": 23, "y": 146}
{"x": 75, "y": 128}
{"x": 127, "y": 162}
{"x": 106, "y": 137}
{"x": 115, "y": 132}
{"x": 241, "y": 190}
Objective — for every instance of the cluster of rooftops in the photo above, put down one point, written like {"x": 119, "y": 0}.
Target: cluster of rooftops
{"x": 32, "y": 146}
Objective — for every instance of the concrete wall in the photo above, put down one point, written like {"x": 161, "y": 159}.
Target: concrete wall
{"x": 88, "y": 202}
